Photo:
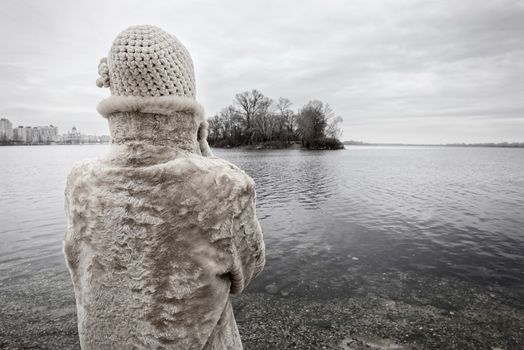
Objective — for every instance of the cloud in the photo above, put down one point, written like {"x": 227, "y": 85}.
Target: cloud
{"x": 403, "y": 71}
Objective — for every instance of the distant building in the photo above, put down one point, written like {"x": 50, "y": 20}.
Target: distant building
{"x": 28, "y": 134}
{"x": 6, "y": 130}
{"x": 19, "y": 134}
{"x": 45, "y": 135}
{"x": 53, "y": 130}
{"x": 73, "y": 137}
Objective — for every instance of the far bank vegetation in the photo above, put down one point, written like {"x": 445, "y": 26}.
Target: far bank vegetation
{"x": 257, "y": 121}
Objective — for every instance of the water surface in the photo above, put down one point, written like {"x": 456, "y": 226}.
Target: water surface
{"x": 444, "y": 211}
{"x": 413, "y": 224}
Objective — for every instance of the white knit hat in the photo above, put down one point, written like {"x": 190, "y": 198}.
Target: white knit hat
{"x": 150, "y": 71}
{"x": 146, "y": 61}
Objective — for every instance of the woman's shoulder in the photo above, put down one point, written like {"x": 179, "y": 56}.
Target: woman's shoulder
{"x": 214, "y": 169}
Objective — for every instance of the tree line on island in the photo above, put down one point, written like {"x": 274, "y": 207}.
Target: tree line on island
{"x": 257, "y": 121}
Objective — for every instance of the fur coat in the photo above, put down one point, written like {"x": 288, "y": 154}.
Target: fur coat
{"x": 160, "y": 233}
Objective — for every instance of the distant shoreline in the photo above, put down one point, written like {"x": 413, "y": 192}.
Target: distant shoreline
{"x": 487, "y": 144}
{"x": 298, "y": 146}
{"x": 53, "y": 144}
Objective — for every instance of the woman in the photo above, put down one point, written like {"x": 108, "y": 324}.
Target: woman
{"x": 160, "y": 232}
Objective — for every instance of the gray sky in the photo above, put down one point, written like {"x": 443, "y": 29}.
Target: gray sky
{"x": 396, "y": 71}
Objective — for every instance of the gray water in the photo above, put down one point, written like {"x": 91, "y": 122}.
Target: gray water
{"x": 333, "y": 222}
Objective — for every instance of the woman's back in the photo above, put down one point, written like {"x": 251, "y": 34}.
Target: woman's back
{"x": 159, "y": 236}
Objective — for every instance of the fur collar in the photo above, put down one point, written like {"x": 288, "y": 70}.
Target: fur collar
{"x": 165, "y": 105}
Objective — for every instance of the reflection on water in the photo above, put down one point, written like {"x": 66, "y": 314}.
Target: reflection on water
{"x": 334, "y": 222}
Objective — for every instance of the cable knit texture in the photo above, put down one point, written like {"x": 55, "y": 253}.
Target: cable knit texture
{"x": 160, "y": 233}
{"x": 147, "y": 61}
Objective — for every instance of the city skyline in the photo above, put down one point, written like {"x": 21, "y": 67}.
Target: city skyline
{"x": 44, "y": 134}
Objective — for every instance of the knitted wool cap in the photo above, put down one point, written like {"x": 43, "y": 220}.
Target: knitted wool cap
{"x": 150, "y": 71}
{"x": 146, "y": 61}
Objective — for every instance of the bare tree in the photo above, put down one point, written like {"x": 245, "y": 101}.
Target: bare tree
{"x": 255, "y": 118}
{"x": 287, "y": 118}
{"x": 214, "y": 129}
{"x": 333, "y": 129}
{"x": 249, "y": 103}
{"x": 283, "y": 105}
{"x": 312, "y": 120}
{"x": 318, "y": 126}
{"x": 264, "y": 122}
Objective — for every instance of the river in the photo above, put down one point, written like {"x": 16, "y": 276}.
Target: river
{"x": 418, "y": 231}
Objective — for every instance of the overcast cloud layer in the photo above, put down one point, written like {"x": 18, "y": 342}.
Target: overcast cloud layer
{"x": 396, "y": 71}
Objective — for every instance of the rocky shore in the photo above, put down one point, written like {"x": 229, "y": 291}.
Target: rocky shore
{"x": 386, "y": 312}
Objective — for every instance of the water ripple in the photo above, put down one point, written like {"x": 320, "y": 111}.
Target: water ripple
{"x": 439, "y": 211}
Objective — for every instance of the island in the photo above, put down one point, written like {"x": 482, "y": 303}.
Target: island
{"x": 255, "y": 121}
